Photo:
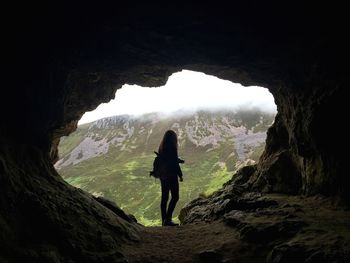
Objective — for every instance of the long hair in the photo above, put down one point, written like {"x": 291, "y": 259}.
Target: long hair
{"x": 168, "y": 145}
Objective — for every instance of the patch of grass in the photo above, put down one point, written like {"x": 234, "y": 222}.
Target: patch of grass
{"x": 218, "y": 179}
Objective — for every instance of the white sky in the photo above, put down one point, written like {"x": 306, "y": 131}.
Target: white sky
{"x": 185, "y": 90}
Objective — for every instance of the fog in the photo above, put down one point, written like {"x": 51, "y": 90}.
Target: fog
{"x": 185, "y": 91}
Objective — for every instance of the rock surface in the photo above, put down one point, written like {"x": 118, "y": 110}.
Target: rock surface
{"x": 263, "y": 228}
{"x": 47, "y": 220}
{"x": 304, "y": 71}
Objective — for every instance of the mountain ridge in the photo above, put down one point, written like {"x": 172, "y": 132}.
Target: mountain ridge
{"x": 118, "y": 150}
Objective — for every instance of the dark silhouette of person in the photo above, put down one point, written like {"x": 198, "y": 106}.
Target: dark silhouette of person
{"x": 169, "y": 175}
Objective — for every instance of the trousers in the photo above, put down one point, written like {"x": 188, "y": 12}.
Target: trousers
{"x": 169, "y": 185}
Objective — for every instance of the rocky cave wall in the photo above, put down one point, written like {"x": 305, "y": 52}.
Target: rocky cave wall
{"x": 69, "y": 59}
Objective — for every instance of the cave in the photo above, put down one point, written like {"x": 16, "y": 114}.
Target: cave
{"x": 219, "y": 130}
{"x": 66, "y": 60}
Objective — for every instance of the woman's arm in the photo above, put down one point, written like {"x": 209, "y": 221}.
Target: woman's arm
{"x": 179, "y": 172}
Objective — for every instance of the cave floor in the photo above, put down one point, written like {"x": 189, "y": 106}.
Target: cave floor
{"x": 186, "y": 243}
{"x": 295, "y": 229}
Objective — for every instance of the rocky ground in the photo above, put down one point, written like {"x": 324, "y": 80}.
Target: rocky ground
{"x": 250, "y": 227}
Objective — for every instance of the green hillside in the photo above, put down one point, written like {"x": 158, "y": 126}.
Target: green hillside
{"x": 112, "y": 157}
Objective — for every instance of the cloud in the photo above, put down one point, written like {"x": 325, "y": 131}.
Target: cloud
{"x": 184, "y": 91}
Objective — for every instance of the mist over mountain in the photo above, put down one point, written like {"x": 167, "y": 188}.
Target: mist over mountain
{"x": 203, "y": 92}
{"x": 112, "y": 157}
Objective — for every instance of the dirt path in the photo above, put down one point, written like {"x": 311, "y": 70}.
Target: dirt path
{"x": 214, "y": 242}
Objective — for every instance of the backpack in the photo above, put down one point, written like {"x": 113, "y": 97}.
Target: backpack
{"x": 158, "y": 166}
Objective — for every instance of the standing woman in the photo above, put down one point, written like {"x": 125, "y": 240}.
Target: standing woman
{"x": 170, "y": 172}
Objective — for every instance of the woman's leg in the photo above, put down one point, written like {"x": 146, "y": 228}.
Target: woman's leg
{"x": 165, "y": 197}
{"x": 174, "y": 189}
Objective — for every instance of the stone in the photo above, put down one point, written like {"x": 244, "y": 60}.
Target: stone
{"x": 267, "y": 232}
{"x": 113, "y": 207}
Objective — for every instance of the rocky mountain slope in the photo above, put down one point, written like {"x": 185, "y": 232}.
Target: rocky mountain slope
{"x": 112, "y": 157}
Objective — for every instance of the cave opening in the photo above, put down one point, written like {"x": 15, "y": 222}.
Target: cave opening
{"x": 221, "y": 127}
{"x": 66, "y": 60}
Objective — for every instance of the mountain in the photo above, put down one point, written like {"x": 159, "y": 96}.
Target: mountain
{"x": 112, "y": 157}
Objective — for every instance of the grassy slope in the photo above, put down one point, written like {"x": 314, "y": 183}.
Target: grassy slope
{"x": 123, "y": 176}
{"x": 68, "y": 143}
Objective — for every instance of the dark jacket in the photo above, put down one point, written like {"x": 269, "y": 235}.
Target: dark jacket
{"x": 170, "y": 167}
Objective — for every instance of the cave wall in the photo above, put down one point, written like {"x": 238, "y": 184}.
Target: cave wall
{"x": 66, "y": 60}
{"x": 303, "y": 151}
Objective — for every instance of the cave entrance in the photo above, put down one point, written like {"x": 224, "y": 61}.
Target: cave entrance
{"x": 221, "y": 126}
